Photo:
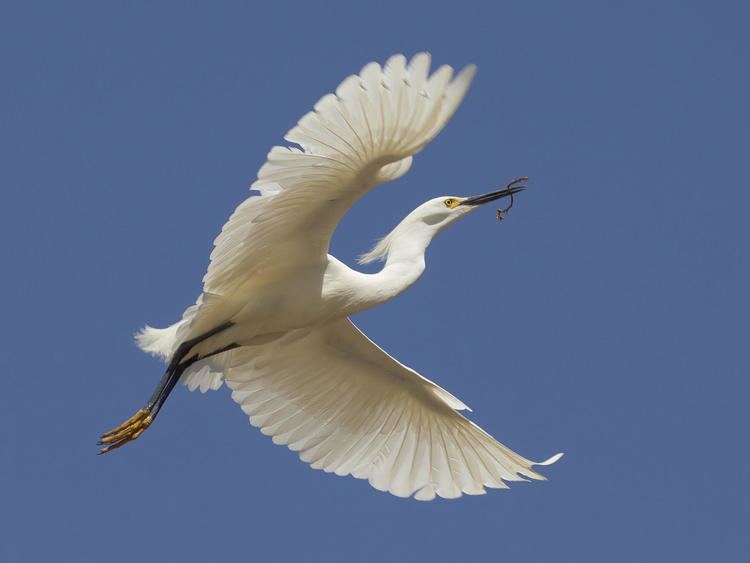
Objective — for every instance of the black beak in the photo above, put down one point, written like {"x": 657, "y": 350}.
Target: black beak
{"x": 492, "y": 196}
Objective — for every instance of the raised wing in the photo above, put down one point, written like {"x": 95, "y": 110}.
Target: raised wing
{"x": 363, "y": 135}
{"x": 350, "y": 408}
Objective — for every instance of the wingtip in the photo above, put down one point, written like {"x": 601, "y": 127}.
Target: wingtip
{"x": 467, "y": 74}
{"x": 469, "y": 71}
{"x": 551, "y": 460}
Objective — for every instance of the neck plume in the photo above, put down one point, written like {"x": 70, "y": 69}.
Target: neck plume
{"x": 407, "y": 241}
{"x": 403, "y": 251}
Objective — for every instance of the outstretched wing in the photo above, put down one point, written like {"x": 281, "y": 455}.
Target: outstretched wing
{"x": 350, "y": 408}
{"x": 363, "y": 135}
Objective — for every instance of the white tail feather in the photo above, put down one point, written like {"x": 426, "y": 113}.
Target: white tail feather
{"x": 161, "y": 342}
{"x": 158, "y": 341}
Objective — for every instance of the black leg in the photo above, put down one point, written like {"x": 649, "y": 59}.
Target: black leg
{"x": 137, "y": 424}
{"x": 171, "y": 378}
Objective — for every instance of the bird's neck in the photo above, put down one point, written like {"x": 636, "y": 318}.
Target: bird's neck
{"x": 403, "y": 265}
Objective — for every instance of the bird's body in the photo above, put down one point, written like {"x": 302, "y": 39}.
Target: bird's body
{"x": 272, "y": 322}
{"x": 268, "y": 306}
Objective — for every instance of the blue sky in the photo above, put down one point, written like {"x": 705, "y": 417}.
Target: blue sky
{"x": 608, "y": 315}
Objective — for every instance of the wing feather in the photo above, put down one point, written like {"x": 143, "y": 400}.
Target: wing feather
{"x": 363, "y": 135}
{"x": 351, "y": 409}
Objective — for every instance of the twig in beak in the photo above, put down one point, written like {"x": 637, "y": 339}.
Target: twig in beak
{"x": 512, "y": 183}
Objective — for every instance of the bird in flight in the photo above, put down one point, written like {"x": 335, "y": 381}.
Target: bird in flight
{"x": 272, "y": 322}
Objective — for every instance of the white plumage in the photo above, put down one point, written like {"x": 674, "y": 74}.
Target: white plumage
{"x": 272, "y": 321}
{"x": 355, "y": 410}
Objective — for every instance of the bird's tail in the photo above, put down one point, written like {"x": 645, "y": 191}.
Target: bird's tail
{"x": 205, "y": 375}
{"x": 164, "y": 342}
{"x": 160, "y": 342}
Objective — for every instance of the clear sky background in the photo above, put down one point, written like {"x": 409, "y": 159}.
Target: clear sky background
{"x": 606, "y": 318}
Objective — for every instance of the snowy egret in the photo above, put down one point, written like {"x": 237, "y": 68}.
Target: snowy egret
{"x": 273, "y": 319}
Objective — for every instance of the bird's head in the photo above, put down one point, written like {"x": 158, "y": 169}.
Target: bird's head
{"x": 446, "y": 209}
{"x": 422, "y": 224}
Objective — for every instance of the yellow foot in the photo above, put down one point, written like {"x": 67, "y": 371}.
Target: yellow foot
{"x": 126, "y": 432}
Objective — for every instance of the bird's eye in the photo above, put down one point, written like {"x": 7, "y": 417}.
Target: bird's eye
{"x": 448, "y": 202}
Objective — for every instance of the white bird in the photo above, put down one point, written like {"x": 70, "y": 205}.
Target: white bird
{"x": 273, "y": 319}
